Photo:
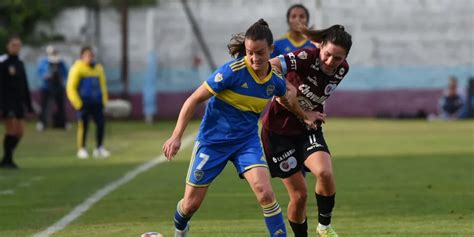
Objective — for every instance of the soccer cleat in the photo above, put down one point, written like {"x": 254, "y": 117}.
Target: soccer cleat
{"x": 101, "y": 152}
{"x": 328, "y": 232}
{"x": 181, "y": 233}
{"x": 39, "y": 126}
{"x": 82, "y": 153}
{"x": 8, "y": 165}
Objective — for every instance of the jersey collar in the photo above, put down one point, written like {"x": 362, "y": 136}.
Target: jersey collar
{"x": 254, "y": 75}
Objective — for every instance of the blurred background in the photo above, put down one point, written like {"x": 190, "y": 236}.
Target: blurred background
{"x": 156, "y": 52}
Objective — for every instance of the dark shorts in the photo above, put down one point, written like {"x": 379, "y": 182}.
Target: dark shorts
{"x": 15, "y": 111}
{"x": 286, "y": 154}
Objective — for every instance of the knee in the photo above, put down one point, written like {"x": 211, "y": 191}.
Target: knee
{"x": 299, "y": 197}
{"x": 324, "y": 174}
{"x": 264, "y": 195}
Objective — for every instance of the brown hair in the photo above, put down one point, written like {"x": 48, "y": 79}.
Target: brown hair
{"x": 335, "y": 34}
{"x": 258, "y": 31}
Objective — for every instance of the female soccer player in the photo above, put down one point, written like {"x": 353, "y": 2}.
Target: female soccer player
{"x": 87, "y": 91}
{"x": 14, "y": 97}
{"x": 289, "y": 144}
{"x": 238, "y": 91}
{"x": 297, "y": 14}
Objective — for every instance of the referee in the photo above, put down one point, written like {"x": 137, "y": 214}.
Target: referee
{"x": 14, "y": 98}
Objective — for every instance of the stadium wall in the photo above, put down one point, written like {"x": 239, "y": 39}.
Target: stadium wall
{"x": 402, "y": 55}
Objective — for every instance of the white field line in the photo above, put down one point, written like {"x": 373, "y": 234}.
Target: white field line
{"x": 99, "y": 194}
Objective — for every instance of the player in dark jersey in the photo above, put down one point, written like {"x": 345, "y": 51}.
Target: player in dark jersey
{"x": 293, "y": 39}
{"x": 238, "y": 92}
{"x": 14, "y": 98}
{"x": 291, "y": 145}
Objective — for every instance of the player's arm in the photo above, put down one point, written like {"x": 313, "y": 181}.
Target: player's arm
{"x": 103, "y": 86}
{"x": 290, "y": 102}
{"x": 73, "y": 81}
{"x": 172, "y": 145}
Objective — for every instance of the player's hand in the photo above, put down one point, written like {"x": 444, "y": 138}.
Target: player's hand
{"x": 313, "y": 116}
{"x": 171, "y": 147}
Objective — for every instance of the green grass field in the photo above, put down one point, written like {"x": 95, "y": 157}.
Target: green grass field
{"x": 394, "y": 178}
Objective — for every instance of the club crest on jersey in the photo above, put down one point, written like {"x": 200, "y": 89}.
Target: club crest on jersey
{"x": 198, "y": 174}
{"x": 218, "y": 77}
{"x": 288, "y": 164}
{"x": 303, "y": 55}
{"x": 330, "y": 88}
{"x": 270, "y": 90}
{"x": 12, "y": 70}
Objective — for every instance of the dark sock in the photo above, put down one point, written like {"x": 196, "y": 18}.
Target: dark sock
{"x": 9, "y": 144}
{"x": 325, "y": 206}
{"x": 180, "y": 219}
{"x": 300, "y": 230}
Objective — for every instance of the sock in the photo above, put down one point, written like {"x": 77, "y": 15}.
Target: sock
{"x": 180, "y": 219}
{"x": 299, "y": 229}
{"x": 325, "y": 206}
{"x": 9, "y": 144}
{"x": 274, "y": 220}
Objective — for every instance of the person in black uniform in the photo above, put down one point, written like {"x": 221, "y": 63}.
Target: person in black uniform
{"x": 14, "y": 98}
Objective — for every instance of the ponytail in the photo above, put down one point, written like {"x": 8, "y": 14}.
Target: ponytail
{"x": 335, "y": 34}
{"x": 236, "y": 45}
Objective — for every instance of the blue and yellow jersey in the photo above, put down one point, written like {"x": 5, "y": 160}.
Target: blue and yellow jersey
{"x": 286, "y": 44}
{"x": 239, "y": 97}
{"x": 86, "y": 84}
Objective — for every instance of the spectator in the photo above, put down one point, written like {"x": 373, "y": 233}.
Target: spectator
{"x": 451, "y": 102}
{"x": 87, "y": 91}
{"x": 52, "y": 72}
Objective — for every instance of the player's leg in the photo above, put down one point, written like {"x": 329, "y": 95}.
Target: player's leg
{"x": 44, "y": 110}
{"x": 192, "y": 200}
{"x": 259, "y": 180}
{"x": 281, "y": 153}
{"x": 14, "y": 131}
{"x": 99, "y": 119}
{"x": 297, "y": 190}
{"x": 325, "y": 191}
{"x": 251, "y": 165}
{"x": 207, "y": 162}
{"x": 82, "y": 128}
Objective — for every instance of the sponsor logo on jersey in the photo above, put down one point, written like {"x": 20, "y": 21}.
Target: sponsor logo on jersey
{"x": 342, "y": 71}
{"x": 284, "y": 156}
{"x": 306, "y": 104}
{"x": 313, "y": 80}
{"x": 315, "y": 66}
{"x": 292, "y": 58}
{"x": 270, "y": 90}
{"x": 314, "y": 143}
{"x": 339, "y": 77}
{"x": 306, "y": 90}
{"x": 303, "y": 55}
{"x": 330, "y": 88}
{"x": 245, "y": 85}
{"x": 218, "y": 77}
